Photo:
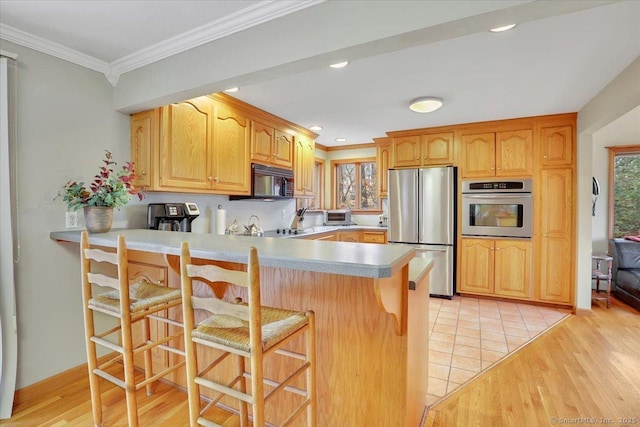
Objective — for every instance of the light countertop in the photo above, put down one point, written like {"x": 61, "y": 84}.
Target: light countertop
{"x": 346, "y": 258}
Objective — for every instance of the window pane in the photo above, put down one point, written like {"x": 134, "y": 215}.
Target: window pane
{"x": 626, "y": 204}
{"x": 346, "y": 178}
{"x": 368, "y": 186}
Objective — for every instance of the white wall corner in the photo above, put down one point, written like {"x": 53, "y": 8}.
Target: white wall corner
{"x": 112, "y": 76}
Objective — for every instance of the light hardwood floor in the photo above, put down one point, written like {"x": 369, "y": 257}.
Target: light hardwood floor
{"x": 585, "y": 367}
{"x": 584, "y": 371}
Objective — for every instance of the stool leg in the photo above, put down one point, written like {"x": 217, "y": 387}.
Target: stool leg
{"x": 240, "y": 369}
{"x": 92, "y": 364}
{"x": 148, "y": 364}
{"x": 129, "y": 374}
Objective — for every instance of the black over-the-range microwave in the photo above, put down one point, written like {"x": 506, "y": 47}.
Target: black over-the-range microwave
{"x": 269, "y": 183}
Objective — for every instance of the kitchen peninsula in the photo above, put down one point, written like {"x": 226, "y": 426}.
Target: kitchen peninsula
{"x": 372, "y": 333}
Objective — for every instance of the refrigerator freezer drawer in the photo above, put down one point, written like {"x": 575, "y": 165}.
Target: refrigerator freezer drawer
{"x": 441, "y": 277}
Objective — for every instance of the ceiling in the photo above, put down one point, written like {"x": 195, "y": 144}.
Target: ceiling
{"x": 552, "y": 62}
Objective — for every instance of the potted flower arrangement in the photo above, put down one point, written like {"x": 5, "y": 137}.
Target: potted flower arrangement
{"x": 109, "y": 189}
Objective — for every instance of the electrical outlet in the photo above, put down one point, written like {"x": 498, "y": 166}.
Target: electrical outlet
{"x": 72, "y": 219}
{"x": 284, "y": 213}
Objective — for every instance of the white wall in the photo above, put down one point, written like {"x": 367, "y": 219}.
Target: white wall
{"x": 619, "y": 97}
{"x": 623, "y": 131}
{"x": 65, "y": 121}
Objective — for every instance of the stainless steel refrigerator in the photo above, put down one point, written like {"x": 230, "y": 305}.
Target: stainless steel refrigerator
{"x": 422, "y": 213}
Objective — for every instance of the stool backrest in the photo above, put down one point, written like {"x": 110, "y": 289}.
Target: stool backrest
{"x": 250, "y": 279}
{"x": 118, "y": 259}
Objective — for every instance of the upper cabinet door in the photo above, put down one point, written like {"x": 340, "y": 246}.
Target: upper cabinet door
{"x": 406, "y": 151}
{"x": 478, "y": 155}
{"x": 557, "y": 146}
{"x": 231, "y": 168}
{"x": 145, "y": 133}
{"x": 437, "y": 149}
{"x": 514, "y": 153}
{"x": 262, "y": 141}
{"x": 185, "y": 144}
{"x": 383, "y": 160}
{"x": 282, "y": 154}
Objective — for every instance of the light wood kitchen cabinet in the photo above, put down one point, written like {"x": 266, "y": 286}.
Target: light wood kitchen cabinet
{"x": 185, "y": 145}
{"x": 304, "y": 164}
{"x": 349, "y": 236}
{"x": 373, "y": 236}
{"x": 231, "y": 169}
{"x": 477, "y": 264}
{"x": 204, "y": 148}
{"x": 557, "y": 146}
{"x": 423, "y": 150}
{"x": 500, "y": 267}
{"x": 324, "y": 236}
{"x": 555, "y": 215}
{"x": 513, "y": 268}
{"x": 145, "y": 135}
{"x": 270, "y": 146}
{"x": 263, "y": 139}
{"x": 497, "y": 154}
{"x": 383, "y": 161}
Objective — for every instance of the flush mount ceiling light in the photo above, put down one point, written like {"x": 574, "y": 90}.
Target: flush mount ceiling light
{"x": 339, "y": 64}
{"x": 232, "y": 89}
{"x": 425, "y": 105}
{"x": 341, "y": 139}
{"x": 503, "y": 28}
{"x": 315, "y": 128}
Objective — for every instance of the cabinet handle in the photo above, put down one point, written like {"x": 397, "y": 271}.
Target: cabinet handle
{"x": 418, "y": 158}
{"x": 216, "y": 179}
{"x": 210, "y": 178}
{"x": 143, "y": 173}
{"x": 544, "y": 157}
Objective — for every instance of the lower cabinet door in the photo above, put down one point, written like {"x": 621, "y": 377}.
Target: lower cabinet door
{"x": 513, "y": 268}
{"x": 477, "y": 266}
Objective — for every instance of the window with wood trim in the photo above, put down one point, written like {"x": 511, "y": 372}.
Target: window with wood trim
{"x": 355, "y": 185}
{"x": 624, "y": 191}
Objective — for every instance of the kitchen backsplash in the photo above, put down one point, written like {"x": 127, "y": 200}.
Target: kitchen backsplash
{"x": 276, "y": 214}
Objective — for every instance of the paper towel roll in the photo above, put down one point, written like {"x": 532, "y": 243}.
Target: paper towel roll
{"x": 221, "y": 221}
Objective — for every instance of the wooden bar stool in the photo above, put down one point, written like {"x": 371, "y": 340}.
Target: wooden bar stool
{"x": 244, "y": 331}
{"x": 599, "y": 274}
{"x": 130, "y": 305}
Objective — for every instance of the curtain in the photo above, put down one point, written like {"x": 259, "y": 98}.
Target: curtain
{"x": 9, "y": 249}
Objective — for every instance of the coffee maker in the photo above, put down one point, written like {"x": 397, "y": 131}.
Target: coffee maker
{"x": 171, "y": 216}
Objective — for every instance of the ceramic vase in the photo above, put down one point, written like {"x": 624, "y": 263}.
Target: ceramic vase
{"x": 98, "y": 219}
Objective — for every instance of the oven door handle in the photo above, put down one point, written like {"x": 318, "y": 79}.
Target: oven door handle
{"x": 497, "y": 196}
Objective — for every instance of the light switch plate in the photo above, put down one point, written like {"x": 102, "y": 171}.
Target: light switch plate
{"x": 72, "y": 219}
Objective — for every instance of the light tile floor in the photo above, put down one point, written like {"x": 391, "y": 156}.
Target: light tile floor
{"x": 468, "y": 335}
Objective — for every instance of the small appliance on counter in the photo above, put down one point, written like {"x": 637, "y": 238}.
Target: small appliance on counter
{"x": 171, "y": 216}
{"x": 337, "y": 217}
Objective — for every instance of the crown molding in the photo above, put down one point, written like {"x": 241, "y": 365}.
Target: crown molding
{"x": 241, "y": 20}
{"x": 51, "y": 48}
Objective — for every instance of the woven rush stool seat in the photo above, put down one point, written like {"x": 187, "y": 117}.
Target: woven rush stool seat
{"x": 134, "y": 305}
{"x": 142, "y": 296}
{"x": 244, "y": 331}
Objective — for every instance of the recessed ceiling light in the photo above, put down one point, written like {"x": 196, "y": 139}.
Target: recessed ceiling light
{"x": 425, "y": 105}
{"x": 232, "y": 89}
{"x": 315, "y": 128}
{"x": 341, "y": 139}
{"x": 339, "y": 64}
{"x": 503, "y": 28}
